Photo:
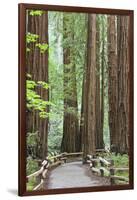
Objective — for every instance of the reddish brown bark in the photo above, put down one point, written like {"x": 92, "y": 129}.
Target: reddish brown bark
{"x": 70, "y": 120}
{"x": 123, "y": 83}
{"x": 37, "y": 66}
{"x": 90, "y": 90}
{"x": 118, "y": 60}
{"x": 98, "y": 99}
{"x": 112, "y": 81}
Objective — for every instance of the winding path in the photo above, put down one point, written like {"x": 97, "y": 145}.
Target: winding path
{"x": 73, "y": 174}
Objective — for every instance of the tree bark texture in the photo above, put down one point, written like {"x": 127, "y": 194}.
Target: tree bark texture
{"x": 90, "y": 90}
{"x": 37, "y": 66}
{"x": 123, "y": 83}
{"x": 70, "y": 120}
{"x": 112, "y": 81}
{"x": 99, "y": 130}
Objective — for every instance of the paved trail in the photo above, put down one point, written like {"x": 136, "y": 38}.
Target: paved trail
{"x": 73, "y": 174}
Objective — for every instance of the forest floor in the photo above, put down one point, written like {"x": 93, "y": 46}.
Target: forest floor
{"x": 73, "y": 174}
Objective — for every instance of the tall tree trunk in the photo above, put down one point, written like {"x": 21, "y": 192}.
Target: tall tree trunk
{"x": 83, "y": 100}
{"x": 70, "y": 121}
{"x": 37, "y": 66}
{"x": 123, "y": 83}
{"x": 99, "y": 131}
{"x": 81, "y": 130}
{"x": 112, "y": 82}
{"x": 90, "y": 90}
{"x": 102, "y": 77}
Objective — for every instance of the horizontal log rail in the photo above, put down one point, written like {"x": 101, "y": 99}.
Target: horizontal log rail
{"x": 46, "y": 165}
{"x": 101, "y": 151}
{"x": 98, "y": 165}
{"x": 104, "y": 162}
{"x": 105, "y": 167}
{"x": 74, "y": 154}
{"x": 49, "y": 163}
{"x": 37, "y": 173}
{"x": 125, "y": 169}
{"x": 114, "y": 177}
{"x": 120, "y": 178}
{"x": 55, "y": 156}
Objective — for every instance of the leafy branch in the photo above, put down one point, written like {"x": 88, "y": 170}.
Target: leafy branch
{"x": 36, "y": 12}
{"x": 34, "y": 100}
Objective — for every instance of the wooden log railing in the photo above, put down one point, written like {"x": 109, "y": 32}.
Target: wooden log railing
{"x": 49, "y": 163}
{"x": 98, "y": 165}
{"x": 105, "y": 167}
{"x": 114, "y": 178}
{"x": 74, "y": 154}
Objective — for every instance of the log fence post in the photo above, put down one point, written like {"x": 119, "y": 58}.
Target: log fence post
{"x": 112, "y": 173}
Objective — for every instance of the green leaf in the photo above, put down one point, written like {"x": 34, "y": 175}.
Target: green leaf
{"x": 43, "y": 47}
{"x": 43, "y": 84}
{"x": 36, "y": 12}
{"x": 31, "y": 37}
{"x": 30, "y": 84}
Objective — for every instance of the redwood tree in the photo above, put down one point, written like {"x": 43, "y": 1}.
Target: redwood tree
{"x": 37, "y": 67}
{"x": 123, "y": 83}
{"x": 70, "y": 119}
{"x": 112, "y": 81}
{"x": 99, "y": 98}
{"x": 89, "y": 118}
{"x": 118, "y": 60}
